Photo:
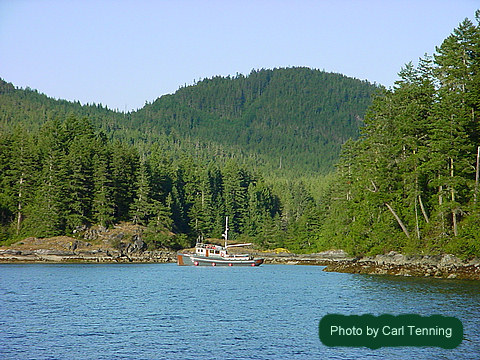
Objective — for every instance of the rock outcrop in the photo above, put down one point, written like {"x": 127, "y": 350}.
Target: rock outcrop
{"x": 123, "y": 243}
{"x": 93, "y": 256}
{"x": 439, "y": 266}
{"x": 322, "y": 258}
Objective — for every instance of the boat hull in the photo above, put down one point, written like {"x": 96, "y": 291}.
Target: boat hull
{"x": 184, "y": 259}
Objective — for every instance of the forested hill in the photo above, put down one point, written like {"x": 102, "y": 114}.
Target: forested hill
{"x": 292, "y": 120}
{"x": 290, "y": 117}
{"x": 410, "y": 183}
{"x": 30, "y": 109}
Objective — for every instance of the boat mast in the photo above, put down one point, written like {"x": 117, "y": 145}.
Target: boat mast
{"x": 225, "y": 235}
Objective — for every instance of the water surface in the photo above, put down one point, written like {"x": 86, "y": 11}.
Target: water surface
{"x": 163, "y": 311}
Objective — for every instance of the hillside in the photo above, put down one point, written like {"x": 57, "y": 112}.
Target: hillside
{"x": 295, "y": 118}
{"x": 31, "y": 108}
{"x": 281, "y": 121}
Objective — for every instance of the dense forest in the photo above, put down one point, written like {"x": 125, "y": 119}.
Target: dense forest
{"x": 66, "y": 176}
{"x": 295, "y": 119}
{"x": 411, "y": 182}
{"x": 260, "y": 149}
{"x": 281, "y": 121}
{"x": 65, "y": 165}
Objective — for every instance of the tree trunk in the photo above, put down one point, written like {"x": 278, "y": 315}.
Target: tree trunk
{"x": 19, "y": 207}
{"x": 440, "y": 203}
{"x": 454, "y": 211}
{"x": 416, "y": 220}
{"x": 423, "y": 209}
{"x": 477, "y": 175}
{"x": 398, "y": 220}
{"x": 417, "y": 226}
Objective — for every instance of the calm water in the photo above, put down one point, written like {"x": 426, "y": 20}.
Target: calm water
{"x": 162, "y": 311}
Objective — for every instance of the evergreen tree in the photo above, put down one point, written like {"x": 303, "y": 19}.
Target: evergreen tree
{"x": 235, "y": 187}
{"x": 455, "y": 126}
{"x": 18, "y": 175}
{"x": 123, "y": 169}
{"x": 142, "y": 208}
{"x": 46, "y": 215}
{"x": 103, "y": 205}
{"x": 408, "y": 183}
{"x": 80, "y": 181}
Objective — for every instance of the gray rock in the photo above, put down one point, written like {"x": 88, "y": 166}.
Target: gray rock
{"x": 91, "y": 234}
{"x": 51, "y": 252}
{"x": 118, "y": 236}
{"x": 474, "y": 262}
{"x": 137, "y": 246}
{"x": 332, "y": 254}
{"x": 449, "y": 260}
{"x": 10, "y": 252}
{"x": 391, "y": 258}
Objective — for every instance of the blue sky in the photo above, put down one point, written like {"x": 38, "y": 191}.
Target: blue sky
{"x": 123, "y": 53}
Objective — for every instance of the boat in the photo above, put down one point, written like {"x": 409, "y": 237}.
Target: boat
{"x": 216, "y": 255}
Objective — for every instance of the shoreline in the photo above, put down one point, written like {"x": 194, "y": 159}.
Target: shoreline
{"x": 445, "y": 266}
{"x": 100, "y": 256}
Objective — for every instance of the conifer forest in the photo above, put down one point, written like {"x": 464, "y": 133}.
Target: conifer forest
{"x": 297, "y": 158}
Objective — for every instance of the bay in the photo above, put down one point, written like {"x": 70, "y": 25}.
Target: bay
{"x": 163, "y": 311}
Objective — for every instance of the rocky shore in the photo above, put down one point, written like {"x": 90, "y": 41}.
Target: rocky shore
{"x": 85, "y": 256}
{"x": 64, "y": 249}
{"x": 436, "y": 266}
{"x": 323, "y": 258}
{"x": 121, "y": 244}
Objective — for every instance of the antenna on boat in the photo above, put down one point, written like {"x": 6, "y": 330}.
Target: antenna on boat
{"x": 225, "y": 235}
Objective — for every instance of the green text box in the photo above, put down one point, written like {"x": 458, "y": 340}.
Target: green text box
{"x": 389, "y": 330}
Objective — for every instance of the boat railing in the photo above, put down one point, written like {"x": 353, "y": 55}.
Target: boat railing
{"x": 240, "y": 256}
{"x": 208, "y": 246}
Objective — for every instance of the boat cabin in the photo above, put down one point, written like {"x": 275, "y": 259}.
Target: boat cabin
{"x": 208, "y": 250}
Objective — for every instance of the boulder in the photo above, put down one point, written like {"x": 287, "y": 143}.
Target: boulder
{"x": 80, "y": 229}
{"x": 138, "y": 245}
{"x": 51, "y": 252}
{"x": 449, "y": 260}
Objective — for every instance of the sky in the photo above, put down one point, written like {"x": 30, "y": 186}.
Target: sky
{"x": 123, "y": 53}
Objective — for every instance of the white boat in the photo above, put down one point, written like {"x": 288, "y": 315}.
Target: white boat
{"x": 216, "y": 255}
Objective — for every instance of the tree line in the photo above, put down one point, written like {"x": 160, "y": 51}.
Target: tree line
{"x": 67, "y": 175}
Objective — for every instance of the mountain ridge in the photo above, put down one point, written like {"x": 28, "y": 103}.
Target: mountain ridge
{"x": 294, "y": 118}
{"x": 298, "y": 114}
